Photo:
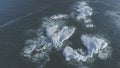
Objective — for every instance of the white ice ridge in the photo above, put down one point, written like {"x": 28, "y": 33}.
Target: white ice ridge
{"x": 93, "y": 44}
{"x": 51, "y": 35}
{"x": 82, "y": 12}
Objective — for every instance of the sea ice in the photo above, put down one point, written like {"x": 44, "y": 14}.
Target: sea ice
{"x": 51, "y": 34}
{"x": 60, "y": 16}
{"x": 93, "y": 44}
{"x": 71, "y": 54}
{"x": 58, "y": 37}
{"x": 82, "y": 12}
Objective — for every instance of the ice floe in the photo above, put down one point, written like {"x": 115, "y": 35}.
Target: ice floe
{"x": 37, "y": 49}
{"x": 54, "y": 31}
{"x": 48, "y": 36}
{"x": 71, "y": 54}
{"x": 58, "y": 37}
{"x": 82, "y": 12}
{"x": 60, "y": 16}
{"x": 94, "y": 45}
{"x": 105, "y": 53}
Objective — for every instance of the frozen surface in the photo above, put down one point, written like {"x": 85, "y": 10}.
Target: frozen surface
{"x": 82, "y": 13}
{"x": 105, "y": 53}
{"x": 71, "y": 54}
{"x": 94, "y": 45}
{"x": 82, "y": 10}
{"x": 52, "y": 34}
{"x": 58, "y": 37}
{"x": 59, "y": 16}
{"x": 36, "y": 49}
{"x": 55, "y": 30}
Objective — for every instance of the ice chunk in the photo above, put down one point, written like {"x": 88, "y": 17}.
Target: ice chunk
{"x": 57, "y": 37}
{"x": 51, "y": 34}
{"x": 60, "y": 16}
{"x": 82, "y": 10}
{"x": 56, "y": 30}
{"x": 71, "y": 54}
{"x": 37, "y": 49}
{"x": 105, "y": 53}
{"x": 93, "y": 44}
{"x": 89, "y": 25}
{"x": 82, "y": 13}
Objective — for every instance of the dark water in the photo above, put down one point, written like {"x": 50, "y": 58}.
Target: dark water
{"x": 18, "y": 16}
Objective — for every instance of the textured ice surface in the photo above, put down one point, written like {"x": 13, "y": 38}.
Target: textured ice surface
{"x": 54, "y": 31}
{"x": 52, "y": 34}
{"x": 93, "y": 44}
{"x": 89, "y": 25}
{"x": 71, "y": 54}
{"x": 59, "y": 16}
{"x": 82, "y": 12}
{"x": 105, "y": 53}
{"x": 58, "y": 37}
{"x": 36, "y": 49}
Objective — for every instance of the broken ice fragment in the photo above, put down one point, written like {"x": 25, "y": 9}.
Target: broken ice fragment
{"x": 71, "y": 54}
{"x": 93, "y": 44}
{"x": 57, "y": 37}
